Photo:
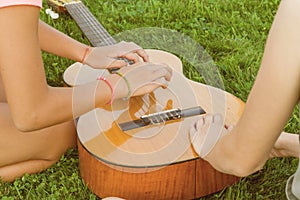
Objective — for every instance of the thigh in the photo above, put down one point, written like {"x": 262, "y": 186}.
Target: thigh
{"x": 46, "y": 144}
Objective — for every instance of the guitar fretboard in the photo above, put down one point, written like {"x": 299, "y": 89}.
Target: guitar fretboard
{"x": 94, "y": 31}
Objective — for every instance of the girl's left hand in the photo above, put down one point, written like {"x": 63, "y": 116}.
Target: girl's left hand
{"x": 206, "y": 132}
{"x": 109, "y": 56}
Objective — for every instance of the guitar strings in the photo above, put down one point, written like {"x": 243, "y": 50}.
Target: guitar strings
{"x": 105, "y": 37}
{"x": 79, "y": 11}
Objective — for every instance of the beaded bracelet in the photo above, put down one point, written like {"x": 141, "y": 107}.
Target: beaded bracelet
{"x": 127, "y": 82}
{"x": 111, "y": 88}
{"x": 84, "y": 54}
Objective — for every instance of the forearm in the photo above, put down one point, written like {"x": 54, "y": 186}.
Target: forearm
{"x": 57, "y": 105}
{"x": 232, "y": 156}
{"x": 55, "y": 42}
{"x": 271, "y": 101}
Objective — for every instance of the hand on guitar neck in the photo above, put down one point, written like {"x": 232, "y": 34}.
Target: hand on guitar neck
{"x": 108, "y": 57}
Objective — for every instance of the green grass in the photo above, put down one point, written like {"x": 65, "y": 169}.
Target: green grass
{"x": 233, "y": 33}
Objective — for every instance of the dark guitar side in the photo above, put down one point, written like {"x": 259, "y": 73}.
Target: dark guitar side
{"x": 178, "y": 181}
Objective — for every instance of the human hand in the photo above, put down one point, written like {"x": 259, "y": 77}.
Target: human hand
{"x": 107, "y": 56}
{"x": 140, "y": 78}
{"x": 287, "y": 145}
{"x": 206, "y": 132}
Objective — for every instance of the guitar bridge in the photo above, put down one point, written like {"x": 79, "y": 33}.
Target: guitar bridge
{"x": 163, "y": 116}
{"x": 160, "y": 117}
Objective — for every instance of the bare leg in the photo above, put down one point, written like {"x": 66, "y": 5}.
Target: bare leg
{"x": 31, "y": 152}
{"x": 286, "y": 145}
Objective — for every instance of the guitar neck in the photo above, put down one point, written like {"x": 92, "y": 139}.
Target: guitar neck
{"x": 90, "y": 26}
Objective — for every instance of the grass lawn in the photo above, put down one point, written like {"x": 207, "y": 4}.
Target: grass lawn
{"x": 233, "y": 32}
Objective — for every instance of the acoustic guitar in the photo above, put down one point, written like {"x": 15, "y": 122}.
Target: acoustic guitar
{"x": 140, "y": 148}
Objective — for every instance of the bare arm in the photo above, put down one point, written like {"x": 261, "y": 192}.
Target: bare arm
{"x": 35, "y": 105}
{"x": 54, "y": 41}
{"x": 32, "y": 102}
{"x": 271, "y": 101}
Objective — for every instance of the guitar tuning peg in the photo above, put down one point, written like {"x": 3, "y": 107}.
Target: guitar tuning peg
{"x": 52, "y": 14}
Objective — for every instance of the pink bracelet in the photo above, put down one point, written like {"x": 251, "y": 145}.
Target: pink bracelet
{"x": 85, "y": 53}
{"x": 111, "y": 88}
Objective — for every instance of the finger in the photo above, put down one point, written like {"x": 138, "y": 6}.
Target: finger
{"x": 145, "y": 89}
{"x": 208, "y": 119}
{"x": 193, "y": 126}
{"x": 197, "y": 136}
{"x": 163, "y": 72}
{"x": 142, "y": 53}
{"x": 151, "y": 86}
{"x": 193, "y": 130}
{"x": 200, "y": 123}
{"x": 131, "y": 47}
{"x": 127, "y": 47}
{"x": 131, "y": 56}
{"x": 117, "y": 64}
{"x": 164, "y": 65}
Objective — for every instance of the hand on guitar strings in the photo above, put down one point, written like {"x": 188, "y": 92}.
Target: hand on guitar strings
{"x": 106, "y": 57}
{"x": 140, "y": 78}
{"x": 206, "y": 132}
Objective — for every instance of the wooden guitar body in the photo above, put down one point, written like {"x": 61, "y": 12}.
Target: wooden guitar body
{"x": 151, "y": 162}
{"x": 186, "y": 180}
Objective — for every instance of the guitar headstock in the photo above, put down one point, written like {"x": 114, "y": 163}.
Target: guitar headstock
{"x": 59, "y": 5}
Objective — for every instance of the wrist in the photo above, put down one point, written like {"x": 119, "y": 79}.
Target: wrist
{"x": 84, "y": 53}
{"x": 104, "y": 93}
{"x": 119, "y": 85}
{"x": 127, "y": 83}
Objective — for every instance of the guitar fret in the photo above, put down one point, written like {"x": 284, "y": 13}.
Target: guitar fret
{"x": 96, "y": 25}
{"x": 82, "y": 24}
{"x": 92, "y": 28}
